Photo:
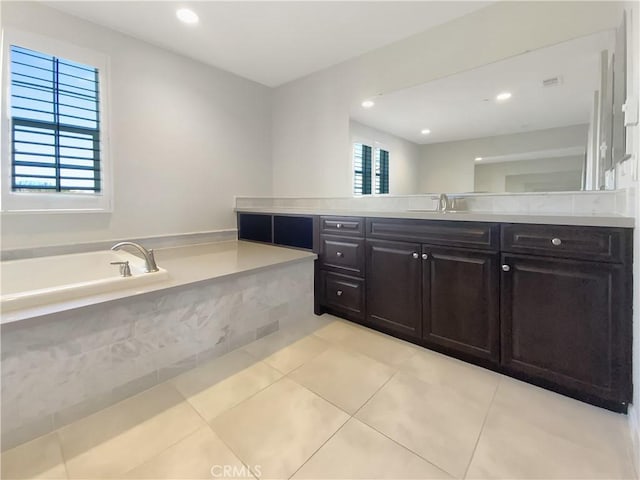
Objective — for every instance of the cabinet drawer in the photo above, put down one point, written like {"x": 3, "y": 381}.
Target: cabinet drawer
{"x": 342, "y": 225}
{"x": 588, "y": 243}
{"x": 342, "y": 253}
{"x": 343, "y": 293}
{"x": 436, "y": 232}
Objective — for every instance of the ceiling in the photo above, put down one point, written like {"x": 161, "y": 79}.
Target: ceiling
{"x": 463, "y": 106}
{"x": 271, "y": 42}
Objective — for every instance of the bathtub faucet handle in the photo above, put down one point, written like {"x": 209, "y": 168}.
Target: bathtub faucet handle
{"x": 125, "y": 270}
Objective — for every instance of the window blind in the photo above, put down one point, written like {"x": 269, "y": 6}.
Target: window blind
{"x": 382, "y": 171}
{"x": 361, "y": 169}
{"x": 55, "y": 124}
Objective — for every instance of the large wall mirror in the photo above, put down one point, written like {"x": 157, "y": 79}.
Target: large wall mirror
{"x": 538, "y": 122}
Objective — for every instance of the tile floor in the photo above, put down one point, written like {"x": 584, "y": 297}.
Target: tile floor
{"x": 343, "y": 402}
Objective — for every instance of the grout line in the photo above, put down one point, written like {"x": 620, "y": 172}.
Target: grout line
{"x": 375, "y": 393}
{"x": 322, "y": 445}
{"x": 62, "y": 455}
{"x": 484, "y": 421}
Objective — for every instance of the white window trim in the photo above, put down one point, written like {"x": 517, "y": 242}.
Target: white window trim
{"x": 59, "y": 202}
{"x": 373, "y": 144}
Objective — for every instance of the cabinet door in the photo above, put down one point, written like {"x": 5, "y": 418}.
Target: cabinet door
{"x": 564, "y": 323}
{"x": 460, "y": 309}
{"x": 394, "y": 287}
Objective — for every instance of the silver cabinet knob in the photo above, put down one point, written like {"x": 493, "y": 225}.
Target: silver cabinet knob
{"x": 340, "y": 254}
{"x": 339, "y": 293}
{"x": 556, "y": 241}
{"x": 415, "y": 255}
{"x": 338, "y": 225}
{"x": 425, "y": 256}
{"x": 506, "y": 268}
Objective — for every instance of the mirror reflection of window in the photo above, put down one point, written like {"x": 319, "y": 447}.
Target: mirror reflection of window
{"x": 370, "y": 175}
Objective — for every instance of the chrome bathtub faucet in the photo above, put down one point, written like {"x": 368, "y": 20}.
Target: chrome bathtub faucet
{"x": 149, "y": 258}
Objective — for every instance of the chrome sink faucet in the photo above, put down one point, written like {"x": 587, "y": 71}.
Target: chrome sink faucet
{"x": 149, "y": 258}
{"x": 443, "y": 203}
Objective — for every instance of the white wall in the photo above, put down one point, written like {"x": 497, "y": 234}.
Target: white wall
{"x": 631, "y": 174}
{"x": 185, "y": 138}
{"x": 449, "y": 166}
{"x": 311, "y": 115}
{"x": 404, "y": 156}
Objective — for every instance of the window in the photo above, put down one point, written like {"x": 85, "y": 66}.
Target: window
{"x": 55, "y": 128}
{"x": 364, "y": 176}
{"x": 55, "y": 124}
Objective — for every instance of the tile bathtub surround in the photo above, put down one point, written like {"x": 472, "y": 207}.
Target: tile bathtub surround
{"x": 614, "y": 202}
{"x": 58, "y": 368}
{"x": 268, "y": 408}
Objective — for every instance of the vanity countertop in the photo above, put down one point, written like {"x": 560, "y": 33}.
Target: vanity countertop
{"x": 598, "y": 220}
{"x": 187, "y": 264}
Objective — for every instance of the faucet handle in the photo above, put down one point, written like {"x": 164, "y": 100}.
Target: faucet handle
{"x": 125, "y": 270}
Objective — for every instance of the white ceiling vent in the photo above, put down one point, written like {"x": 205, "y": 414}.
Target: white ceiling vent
{"x": 552, "y": 82}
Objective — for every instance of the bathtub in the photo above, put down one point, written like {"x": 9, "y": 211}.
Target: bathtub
{"x": 39, "y": 281}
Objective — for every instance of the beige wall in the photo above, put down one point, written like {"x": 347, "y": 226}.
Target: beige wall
{"x": 185, "y": 138}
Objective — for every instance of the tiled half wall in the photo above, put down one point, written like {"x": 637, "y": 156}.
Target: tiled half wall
{"x": 58, "y": 368}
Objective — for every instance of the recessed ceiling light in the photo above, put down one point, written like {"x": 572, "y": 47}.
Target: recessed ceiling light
{"x": 501, "y": 97}
{"x": 367, "y": 104}
{"x": 478, "y": 159}
{"x": 187, "y": 16}
{"x": 425, "y": 131}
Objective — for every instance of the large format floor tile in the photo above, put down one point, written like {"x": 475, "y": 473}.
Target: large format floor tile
{"x": 439, "y": 370}
{"x": 221, "y": 395}
{"x": 293, "y": 356}
{"x": 436, "y": 422}
{"x": 341, "y": 402}
{"x": 510, "y": 448}
{"x": 278, "y": 429}
{"x": 347, "y": 379}
{"x": 40, "y": 458}
{"x": 576, "y": 440}
{"x": 127, "y": 434}
{"x": 201, "y": 455}
{"x": 359, "y": 452}
{"x": 376, "y": 345}
{"x": 570, "y": 419}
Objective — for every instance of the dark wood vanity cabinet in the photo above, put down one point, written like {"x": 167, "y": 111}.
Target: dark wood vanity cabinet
{"x": 445, "y": 298}
{"x": 566, "y": 311}
{"x": 460, "y": 302}
{"x": 394, "y": 287}
{"x": 340, "y": 284}
{"x": 548, "y": 304}
{"x": 563, "y": 323}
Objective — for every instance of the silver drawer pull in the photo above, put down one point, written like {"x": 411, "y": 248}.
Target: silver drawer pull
{"x": 338, "y": 225}
{"x": 506, "y": 268}
{"x": 556, "y": 241}
{"x": 339, "y": 293}
{"x": 425, "y": 256}
{"x": 340, "y": 254}
{"x": 415, "y": 255}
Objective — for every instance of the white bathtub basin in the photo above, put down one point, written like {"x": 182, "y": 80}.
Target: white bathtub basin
{"x": 39, "y": 281}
